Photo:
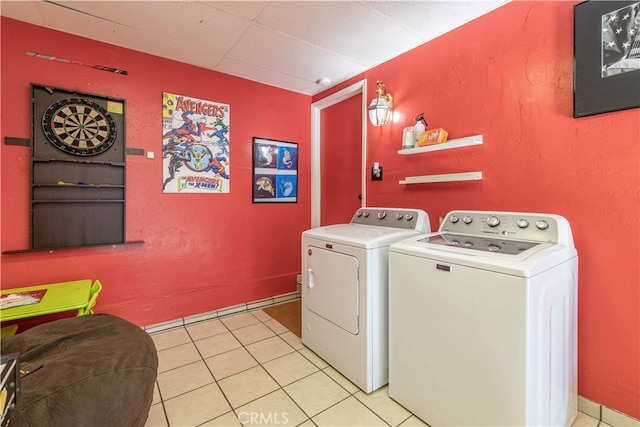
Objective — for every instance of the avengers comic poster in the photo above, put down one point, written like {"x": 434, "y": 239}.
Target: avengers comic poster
{"x": 275, "y": 171}
{"x": 195, "y": 145}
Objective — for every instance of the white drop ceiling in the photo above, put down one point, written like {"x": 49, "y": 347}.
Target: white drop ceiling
{"x": 287, "y": 44}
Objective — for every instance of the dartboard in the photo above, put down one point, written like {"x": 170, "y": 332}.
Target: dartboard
{"x": 79, "y": 127}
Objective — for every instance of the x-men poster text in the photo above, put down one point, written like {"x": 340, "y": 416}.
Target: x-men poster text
{"x": 195, "y": 145}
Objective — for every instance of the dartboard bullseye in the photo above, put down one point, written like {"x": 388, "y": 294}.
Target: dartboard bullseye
{"x": 79, "y": 127}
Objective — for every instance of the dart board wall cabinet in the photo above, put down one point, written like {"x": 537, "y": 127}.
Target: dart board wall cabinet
{"x": 77, "y": 169}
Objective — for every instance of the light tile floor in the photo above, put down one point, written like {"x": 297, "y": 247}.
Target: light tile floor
{"x": 248, "y": 370}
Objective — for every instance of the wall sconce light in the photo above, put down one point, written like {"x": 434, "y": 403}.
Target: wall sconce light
{"x": 380, "y": 107}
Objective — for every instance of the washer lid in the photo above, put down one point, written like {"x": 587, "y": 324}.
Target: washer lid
{"x": 539, "y": 257}
{"x": 480, "y": 243}
{"x": 365, "y": 236}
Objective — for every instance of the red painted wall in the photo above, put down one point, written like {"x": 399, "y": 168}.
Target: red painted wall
{"x": 509, "y": 76}
{"x": 506, "y": 75}
{"x": 201, "y": 251}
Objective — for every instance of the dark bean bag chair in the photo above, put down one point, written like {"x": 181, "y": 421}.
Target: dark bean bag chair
{"x": 94, "y": 370}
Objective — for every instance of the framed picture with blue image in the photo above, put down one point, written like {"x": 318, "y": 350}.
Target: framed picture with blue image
{"x": 275, "y": 171}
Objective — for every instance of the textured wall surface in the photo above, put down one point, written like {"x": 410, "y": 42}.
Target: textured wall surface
{"x": 509, "y": 76}
{"x": 201, "y": 251}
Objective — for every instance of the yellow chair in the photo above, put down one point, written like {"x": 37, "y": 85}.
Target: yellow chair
{"x": 93, "y": 296}
{"x": 8, "y": 331}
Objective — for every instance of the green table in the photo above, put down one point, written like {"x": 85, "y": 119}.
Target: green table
{"x": 60, "y": 297}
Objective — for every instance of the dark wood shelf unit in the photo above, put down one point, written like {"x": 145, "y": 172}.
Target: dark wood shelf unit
{"x": 87, "y": 162}
{"x": 77, "y": 195}
{"x": 26, "y": 251}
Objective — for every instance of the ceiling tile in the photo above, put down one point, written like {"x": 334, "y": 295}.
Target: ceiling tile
{"x": 292, "y": 57}
{"x": 288, "y": 44}
{"x": 347, "y": 28}
{"x": 431, "y": 19}
{"x": 248, "y": 10}
{"x": 193, "y": 24}
{"x": 120, "y": 35}
{"x": 23, "y": 11}
{"x": 259, "y": 74}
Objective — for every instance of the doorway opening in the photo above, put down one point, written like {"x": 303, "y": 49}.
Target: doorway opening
{"x": 316, "y": 169}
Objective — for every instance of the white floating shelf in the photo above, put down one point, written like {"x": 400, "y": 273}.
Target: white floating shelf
{"x": 450, "y": 177}
{"x": 454, "y": 143}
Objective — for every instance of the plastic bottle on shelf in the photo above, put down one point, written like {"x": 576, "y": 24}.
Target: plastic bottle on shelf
{"x": 420, "y": 126}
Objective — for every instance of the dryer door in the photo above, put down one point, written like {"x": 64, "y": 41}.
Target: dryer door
{"x": 332, "y": 287}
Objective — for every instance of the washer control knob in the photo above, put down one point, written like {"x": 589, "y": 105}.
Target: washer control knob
{"x": 399, "y": 216}
{"x": 493, "y": 221}
{"x": 522, "y": 223}
{"x": 365, "y": 214}
{"x": 542, "y": 224}
{"x": 382, "y": 214}
{"x": 493, "y": 248}
{"x": 454, "y": 219}
{"x": 359, "y": 214}
{"x": 468, "y": 244}
{"x": 467, "y": 219}
{"x": 409, "y": 216}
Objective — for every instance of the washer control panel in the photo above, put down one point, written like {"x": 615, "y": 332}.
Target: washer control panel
{"x": 410, "y": 219}
{"x": 514, "y": 225}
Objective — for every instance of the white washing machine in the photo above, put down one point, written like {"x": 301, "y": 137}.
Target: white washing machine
{"x": 483, "y": 321}
{"x": 344, "y": 290}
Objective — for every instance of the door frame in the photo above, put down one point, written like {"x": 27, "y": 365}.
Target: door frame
{"x": 316, "y": 108}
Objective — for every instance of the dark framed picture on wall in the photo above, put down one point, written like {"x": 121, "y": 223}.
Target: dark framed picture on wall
{"x": 275, "y": 171}
{"x": 606, "y": 75}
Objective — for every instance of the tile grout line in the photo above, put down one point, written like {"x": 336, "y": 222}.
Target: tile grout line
{"x": 261, "y": 365}
{"x": 319, "y": 370}
{"x": 280, "y": 387}
{"x": 216, "y": 381}
{"x": 203, "y": 360}
{"x": 222, "y": 312}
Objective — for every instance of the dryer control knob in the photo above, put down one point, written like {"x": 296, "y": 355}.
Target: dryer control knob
{"x": 522, "y": 223}
{"x": 399, "y": 216}
{"x": 467, "y": 220}
{"x": 493, "y": 221}
{"x": 454, "y": 219}
{"x": 359, "y": 214}
{"x": 382, "y": 214}
{"x": 542, "y": 224}
{"x": 366, "y": 214}
{"x": 409, "y": 217}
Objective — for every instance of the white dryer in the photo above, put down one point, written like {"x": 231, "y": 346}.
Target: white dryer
{"x": 483, "y": 321}
{"x": 344, "y": 290}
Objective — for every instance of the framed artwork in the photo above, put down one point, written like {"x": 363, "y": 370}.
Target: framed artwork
{"x": 195, "y": 145}
{"x": 275, "y": 171}
{"x": 606, "y": 75}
